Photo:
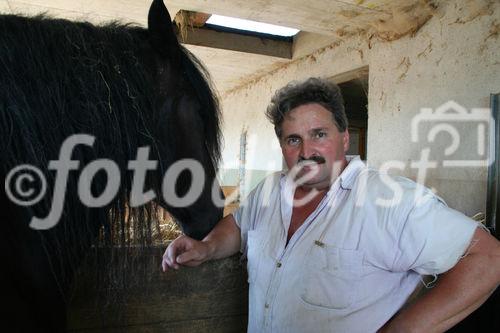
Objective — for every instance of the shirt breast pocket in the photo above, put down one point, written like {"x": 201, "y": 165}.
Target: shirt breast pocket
{"x": 331, "y": 277}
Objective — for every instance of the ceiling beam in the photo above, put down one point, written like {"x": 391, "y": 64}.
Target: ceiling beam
{"x": 186, "y": 18}
{"x": 233, "y": 41}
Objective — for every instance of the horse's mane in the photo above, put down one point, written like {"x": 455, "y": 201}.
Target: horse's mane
{"x": 30, "y": 43}
{"x": 60, "y": 78}
{"x": 126, "y": 86}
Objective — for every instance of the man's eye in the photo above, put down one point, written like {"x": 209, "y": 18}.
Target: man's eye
{"x": 321, "y": 134}
{"x": 292, "y": 141}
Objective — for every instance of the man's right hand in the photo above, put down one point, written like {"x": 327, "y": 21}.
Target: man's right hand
{"x": 223, "y": 241}
{"x": 185, "y": 251}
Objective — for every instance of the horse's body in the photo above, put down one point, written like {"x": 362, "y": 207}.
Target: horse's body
{"x": 128, "y": 87}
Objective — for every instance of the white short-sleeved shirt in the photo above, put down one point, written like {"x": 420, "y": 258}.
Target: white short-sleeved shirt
{"x": 355, "y": 260}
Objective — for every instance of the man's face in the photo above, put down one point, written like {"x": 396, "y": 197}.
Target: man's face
{"x": 309, "y": 132}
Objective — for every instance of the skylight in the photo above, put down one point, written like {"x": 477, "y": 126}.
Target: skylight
{"x": 240, "y": 24}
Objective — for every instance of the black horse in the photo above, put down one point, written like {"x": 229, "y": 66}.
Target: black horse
{"x": 125, "y": 87}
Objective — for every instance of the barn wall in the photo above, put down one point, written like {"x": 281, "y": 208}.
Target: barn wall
{"x": 454, "y": 56}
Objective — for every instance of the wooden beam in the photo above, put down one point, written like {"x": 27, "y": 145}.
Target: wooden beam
{"x": 229, "y": 40}
{"x": 186, "y": 18}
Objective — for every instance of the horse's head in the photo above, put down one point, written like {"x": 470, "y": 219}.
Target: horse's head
{"x": 187, "y": 129}
{"x": 123, "y": 88}
{"x": 129, "y": 88}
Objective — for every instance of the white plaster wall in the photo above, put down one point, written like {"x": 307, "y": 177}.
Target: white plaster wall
{"x": 446, "y": 60}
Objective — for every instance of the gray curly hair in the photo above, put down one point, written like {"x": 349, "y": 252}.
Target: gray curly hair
{"x": 312, "y": 90}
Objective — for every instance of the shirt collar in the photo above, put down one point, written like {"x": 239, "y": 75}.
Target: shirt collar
{"x": 350, "y": 173}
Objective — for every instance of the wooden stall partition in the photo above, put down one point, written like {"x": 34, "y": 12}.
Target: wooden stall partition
{"x": 210, "y": 298}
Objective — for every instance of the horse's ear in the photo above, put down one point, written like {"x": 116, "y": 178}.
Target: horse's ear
{"x": 160, "y": 27}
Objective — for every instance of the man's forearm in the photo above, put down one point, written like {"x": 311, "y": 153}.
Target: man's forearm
{"x": 458, "y": 293}
{"x": 224, "y": 240}
{"x": 444, "y": 306}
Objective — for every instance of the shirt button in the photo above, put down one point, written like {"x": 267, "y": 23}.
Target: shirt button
{"x": 266, "y": 306}
{"x": 278, "y": 264}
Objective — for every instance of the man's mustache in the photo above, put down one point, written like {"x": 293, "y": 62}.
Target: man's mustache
{"x": 315, "y": 159}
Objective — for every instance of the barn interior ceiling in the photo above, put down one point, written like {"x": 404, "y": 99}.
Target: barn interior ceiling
{"x": 235, "y": 60}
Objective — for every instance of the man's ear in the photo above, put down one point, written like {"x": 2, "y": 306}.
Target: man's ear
{"x": 346, "y": 140}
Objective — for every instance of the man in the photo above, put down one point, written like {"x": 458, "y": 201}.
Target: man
{"x": 332, "y": 247}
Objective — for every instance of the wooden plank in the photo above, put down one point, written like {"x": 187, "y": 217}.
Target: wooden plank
{"x": 213, "y": 296}
{"x": 219, "y": 325}
{"x": 232, "y": 41}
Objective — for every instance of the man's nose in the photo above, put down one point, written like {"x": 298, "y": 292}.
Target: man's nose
{"x": 306, "y": 149}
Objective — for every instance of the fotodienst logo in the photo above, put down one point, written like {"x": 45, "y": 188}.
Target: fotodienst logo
{"x": 26, "y": 185}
